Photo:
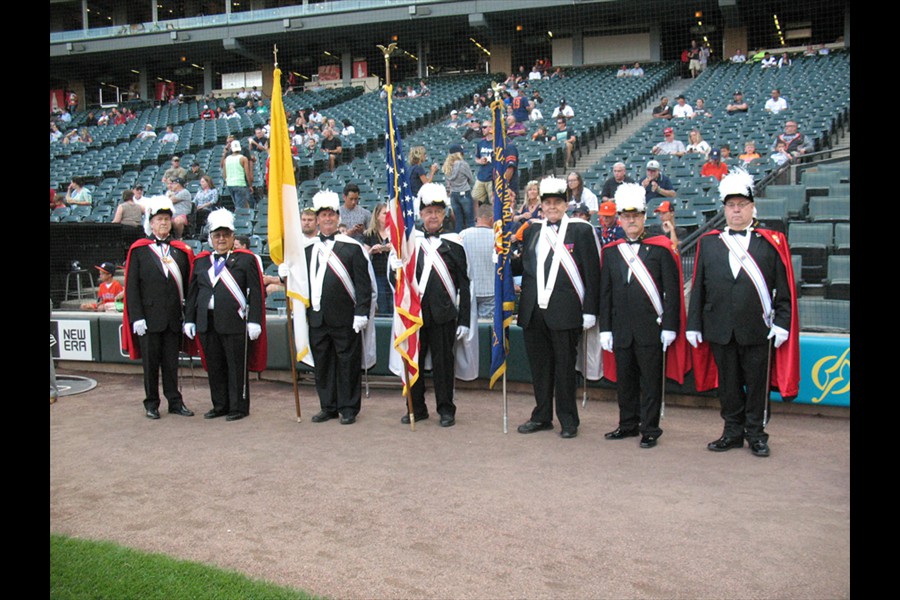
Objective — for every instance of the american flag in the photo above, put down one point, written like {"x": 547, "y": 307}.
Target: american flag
{"x": 401, "y": 222}
{"x": 504, "y": 291}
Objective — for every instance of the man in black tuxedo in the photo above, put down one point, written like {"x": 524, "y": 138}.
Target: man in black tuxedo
{"x": 225, "y": 306}
{"x": 340, "y": 298}
{"x": 157, "y": 272}
{"x": 640, "y": 309}
{"x": 560, "y": 297}
{"x": 742, "y": 296}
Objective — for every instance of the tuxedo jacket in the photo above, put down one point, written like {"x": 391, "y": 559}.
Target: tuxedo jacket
{"x": 564, "y": 310}
{"x": 437, "y": 305}
{"x": 244, "y": 267}
{"x": 338, "y": 308}
{"x": 625, "y": 308}
{"x": 722, "y": 305}
{"x": 149, "y": 293}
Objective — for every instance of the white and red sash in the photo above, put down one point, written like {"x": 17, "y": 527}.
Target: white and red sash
{"x": 169, "y": 266}
{"x": 231, "y": 285}
{"x": 749, "y": 266}
{"x": 554, "y": 241}
{"x": 639, "y": 270}
{"x": 322, "y": 259}
{"x": 433, "y": 261}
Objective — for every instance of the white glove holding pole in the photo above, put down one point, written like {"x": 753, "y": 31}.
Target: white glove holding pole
{"x": 462, "y": 332}
{"x": 284, "y": 270}
{"x": 359, "y": 323}
{"x": 190, "y": 330}
{"x": 694, "y": 338}
{"x": 779, "y": 333}
{"x": 140, "y": 327}
{"x": 606, "y": 341}
{"x": 588, "y": 321}
{"x": 254, "y": 330}
{"x": 667, "y": 336}
{"x": 395, "y": 261}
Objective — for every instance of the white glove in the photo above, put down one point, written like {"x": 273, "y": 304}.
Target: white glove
{"x": 606, "y": 341}
{"x": 190, "y": 330}
{"x": 588, "y": 321}
{"x": 694, "y": 338}
{"x": 780, "y": 335}
{"x": 667, "y": 336}
{"x": 395, "y": 261}
{"x": 254, "y": 330}
{"x": 284, "y": 270}
{"x": 359, "y": 323}
{"x": 461, "y": 332}
{"x": 140, "y": 327}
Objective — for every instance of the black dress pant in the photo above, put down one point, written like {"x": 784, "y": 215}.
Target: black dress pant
{"x": 552, "y": 354}
{"x": 742, "y": 388}
{"x": 337, "y": 352}
{"x": 439, "y": 338}
{"x": 639, "y": 387}
{"x": 229, "y": 387}
{"x": 159, "y": 351}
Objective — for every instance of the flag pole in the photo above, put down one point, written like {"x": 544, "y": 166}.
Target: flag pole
{"x": 505, "y": 406}
{"x": 293, "y": 348}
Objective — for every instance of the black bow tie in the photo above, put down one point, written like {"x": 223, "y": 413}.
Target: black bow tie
{"x": 161, "y": 242}
{"x": 435, "y": 234}
{"x": 220, "y": 256}
{"x": 735, "y": 232}
{"x": 325, "y": 238}
{"x": 633, "y": 241}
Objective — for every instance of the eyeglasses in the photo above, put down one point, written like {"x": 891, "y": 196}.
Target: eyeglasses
{"x": 741, "y": 205}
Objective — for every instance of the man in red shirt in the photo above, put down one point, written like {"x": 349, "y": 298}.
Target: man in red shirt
{"x": 714, "y": 167}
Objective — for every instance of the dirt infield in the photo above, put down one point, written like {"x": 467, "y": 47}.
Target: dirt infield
{"x": 372, "y": 510}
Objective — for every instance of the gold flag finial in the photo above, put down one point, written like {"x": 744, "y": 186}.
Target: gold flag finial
{"x": 387, "y": 60}
{"x": 275, "y": 52}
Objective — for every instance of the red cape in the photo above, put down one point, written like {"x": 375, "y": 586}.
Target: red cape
{"x": 785, "y": 375}
{"x": 677, "y": 357}
{"x": 258, "y": 351}
{"x": 130, "y": 341}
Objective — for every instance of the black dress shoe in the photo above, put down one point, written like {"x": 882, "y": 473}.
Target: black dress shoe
{"x": 212, "y": 414}
{"x": 648, "y": 441}
{"x": 759, "y": 448}
{"x": 234, "y": 416}
{"x": 405, "y": 418}
{"x": 726, "y": 443}
{"x": 348, "y": 420}
{"x": 569, "y": 433}
{"x": 532, "y": 426}
{"x": 621, "y": 434}
{"x": 447, "y": 421}
{"x": 152, "y": 413}
{"x": 182, "y": 410}
{"x": 323, "y": 416}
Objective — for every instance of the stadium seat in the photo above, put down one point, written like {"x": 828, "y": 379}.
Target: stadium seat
{"x": 812, "y": 241}
{"x": 837, "y": 284}
{"x": 824, "y": 315}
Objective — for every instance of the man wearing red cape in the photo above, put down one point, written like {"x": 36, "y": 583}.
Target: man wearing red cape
{"x": 641, "y": 318}
{"x": 226, "y": 306}
{"x": 157, "y": 272}
{"x": 742, "y": 297}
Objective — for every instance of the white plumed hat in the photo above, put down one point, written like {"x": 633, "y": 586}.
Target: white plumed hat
{"x": 326, "y": 199}
{"x": 221, "y": 218}
{"x": 553, "y": 187}
{"x": 432, "y": 193}
{"x": 154, "y": 205}
{"x": 737, "y": 183}
{"x": 631, "y": 197}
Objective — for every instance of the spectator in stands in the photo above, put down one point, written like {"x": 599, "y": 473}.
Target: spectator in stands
{"x": 77, "y": 194}
{"x": 785, "y": 60}
{"x": 666, "y": 225}
{"x": 725, "y": 152}
{"x": 238, "y": 176}
{"x": 308, "y": 226}
{"x": 535, "y": 73}
{"x": 704, "y": 56}
{"x": 636, "y": 70}
{"x": 355, "y": 217}
{"x": 737, "y": 104}
{"x": 540, "y": 134}
{"x": 258, "y": 142}
{"x": 454, "y": 121}
{"x": 418, "y": 176}
{"x": 780, "y": 155}
{"x": 557, "y": 74}
{"x": 619, "y": 176}
{"x": 750, "y": 152}
{"x": 255, "y": 94}
{"x": 623, "y": 72}
{"x": 514, "y": 128}
{"x": 669, "y": 145}
{"x": 577, "y": 194}
{"x": 250, "y": 109}
{"x": 478, "y": 241}
{"x": 563, "y": 110}
{"x": 206, "y": 200}
{"x": 169, "y": 137}
{"x": 182, "y": 203}
{"x": 696, "y": 144}
{"x": 55, "y": 134}
{"x": 739, "y": 57}
{"x": 195, "y": 172}
{"x": 531, "y": 205}
{"x": 207, "y": 114}
{"x": 459, "y": 178}
{"x": 230, "y": 113}
{"x": 809, "y": 51}
{"x": 424, "y": 90}
{"x": 609, "y": 229}
{"x": 129, "y": 212}
{"x": 580, "y": 211}
{"x": 484, "y": 154}
{"x": 103, "y": 119}
{"x": 714, "y": 167}
{"x": 176, "y": 170}
{"x": 109, "y": 291}
{"x": 56, "y": 200}
{"x": 776, "y": 103}
{"x": 147, "y": 133}
{"x": 694, "y": 59}
{"x": 377, "y": 242}
{"x": 700, "y": 111}
{"x": 472, "y": 126}
{"x": 795, "y": 143}
{"x": 657, "y": 184}
{"x": 73, "y": 136}
{"x": 682, "y": 110}
{"x": 348, "y": 128}
{"x": 65, "y": 117}
{"x": 138, "y": 190}
{"x": 823, "y": 51}
{"x": 768, "y": 61}
{"x": 564, "y": 134}
{"x": 663, "y": 111}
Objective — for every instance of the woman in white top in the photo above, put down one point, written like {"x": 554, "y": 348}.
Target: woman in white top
{"x": 697, "y": 145}
{"x": 578, "y": 194}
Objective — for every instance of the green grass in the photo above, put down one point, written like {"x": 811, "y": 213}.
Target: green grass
{"x": 81, "y": 569}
